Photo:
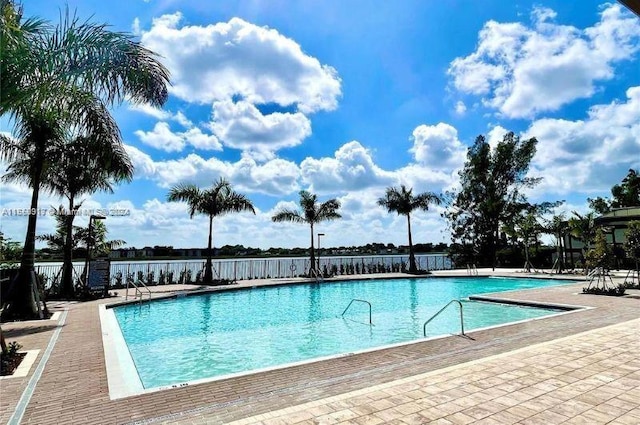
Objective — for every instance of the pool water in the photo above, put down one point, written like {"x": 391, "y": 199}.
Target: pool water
{"x": 178, "y": 340}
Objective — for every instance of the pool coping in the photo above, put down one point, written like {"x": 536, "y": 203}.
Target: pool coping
{"x": 124, "y": 381}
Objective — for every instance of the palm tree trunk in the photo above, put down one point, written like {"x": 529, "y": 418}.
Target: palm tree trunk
{"x": 23, "y": 296}
{"x": 208, "y": 270}
{"x": 527, "y": 263}
{"x": 413, "y": 268}
{"x": 66, "y": 289}
{"x": 312, "y": 267}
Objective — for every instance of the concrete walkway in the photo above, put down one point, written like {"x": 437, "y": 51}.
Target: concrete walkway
{"x": 599, "y": 368}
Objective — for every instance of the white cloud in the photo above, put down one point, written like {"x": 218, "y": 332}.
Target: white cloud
{"x": 591, "y": 154}
{"x": 274, "y": 177}
{"x": 135, "y": 26}
{"x": 160, "y": 114}
{"x": 237, "y": 58}
{"x": 242, "y": 126}
{"x": 460, "y": 108}
{"x": 352, "y": 168}
{"x": 522, "y": 71}
{"x": 496, "y": 135}
{"x": 437, "y": 146}
{"x": 161, "y": 137}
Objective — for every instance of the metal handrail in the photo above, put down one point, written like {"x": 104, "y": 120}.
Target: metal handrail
{"x": 424, "y": 327}
{"x": 362, "y": 301}
{"x": 137, "y": 289}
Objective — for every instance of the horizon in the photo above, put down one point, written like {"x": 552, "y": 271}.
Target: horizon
{"x": 345, "y": 100}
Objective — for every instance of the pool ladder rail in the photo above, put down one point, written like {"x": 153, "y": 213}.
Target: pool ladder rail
{"x": 138, "y": 292}
{"x": 472, "y": 270}
{"x": 362, "y": 301}
{"x": 424, "y": 327}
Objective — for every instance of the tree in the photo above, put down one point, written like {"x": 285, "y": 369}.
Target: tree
{"x": 625, "y": 194}
{"x": 57, "y": 241}
{"x": 632, "y": 246}
{"x": 9, "y": 250}
{"x": 17, "y": 35}
{"x": 583, "y": 228}
{"x": 491, "y": 195}
{"x": 311, "y": 213}
{"x": 71, "y": 74}
{"x": 527, "y": 229}
{"x": 403, "y": 202}
{"x": 559, "y": 228}
{"x": 82, "y": 165}
{"x": 218, "y": 200}
{"x": 600, "y": 256}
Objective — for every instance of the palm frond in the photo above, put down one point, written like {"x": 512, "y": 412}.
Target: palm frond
{"x": 288, "y": 215}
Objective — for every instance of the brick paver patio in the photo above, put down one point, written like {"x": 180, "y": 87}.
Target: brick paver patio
{"x": 73, "y": 387}
{"x": 593, "y": 377}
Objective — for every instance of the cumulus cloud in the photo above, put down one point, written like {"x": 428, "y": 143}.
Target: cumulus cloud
{"x": 496, "y": 135}
{"x": 243, "y": 70}
{"x": 237, "y": 58}
{"x": 242, "y": 126}
{"x": 274, "y": 177}
{"x": 161, "y": 137}
{"x": 438, "y": 147}
{"x": 351, "y": 168}
{"x": 523, "y": 70}
{"x": 460, "y": 108}
{"x": 591, "y": 154}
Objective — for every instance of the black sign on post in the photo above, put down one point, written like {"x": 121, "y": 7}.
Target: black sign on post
{"x": 99, "y": 274}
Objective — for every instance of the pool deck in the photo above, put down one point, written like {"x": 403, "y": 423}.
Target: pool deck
{"x": 580, "y": 368}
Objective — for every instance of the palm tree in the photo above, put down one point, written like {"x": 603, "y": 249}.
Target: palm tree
{"x": 83, "y": 166}
{"x": 57, "y": 241}
{"x": 558, "y": 227}
{"x": 218, "y": 200}
{"x": 527, "y": 228}
{"x": 16, "y": 38}
{"x": 312, "y": 213}
{"x": 583, "y": 228}
{"x": 402, "y": 201}
{"x": 72, "y": 74}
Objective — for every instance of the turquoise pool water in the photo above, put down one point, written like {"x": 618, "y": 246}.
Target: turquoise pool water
{"x": 195, "y": 337}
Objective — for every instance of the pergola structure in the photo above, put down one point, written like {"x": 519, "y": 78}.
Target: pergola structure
{"x": 633, "y": 5}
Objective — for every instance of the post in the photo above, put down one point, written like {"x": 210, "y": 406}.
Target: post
{"x": 318, "y": 256}
{"x": 89, "y": 245}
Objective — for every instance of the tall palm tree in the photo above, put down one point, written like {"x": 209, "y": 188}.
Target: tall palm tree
{"x": 312, "y": 213}
{"x": 83, "y": 166}
{"x": 218, "y": 200}
{"x": 403, "y": 202}
{"x": 73, "y": 73}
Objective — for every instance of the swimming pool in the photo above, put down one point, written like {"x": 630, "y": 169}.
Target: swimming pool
{"x": 195, "y": 337}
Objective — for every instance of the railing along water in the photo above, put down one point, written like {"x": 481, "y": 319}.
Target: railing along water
{"x": 163, "y": 272}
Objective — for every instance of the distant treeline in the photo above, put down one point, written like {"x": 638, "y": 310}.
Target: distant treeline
{"x": 242, "y": 251}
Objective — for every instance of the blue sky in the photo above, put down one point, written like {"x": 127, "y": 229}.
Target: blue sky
{"x": 347, "y": 98}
